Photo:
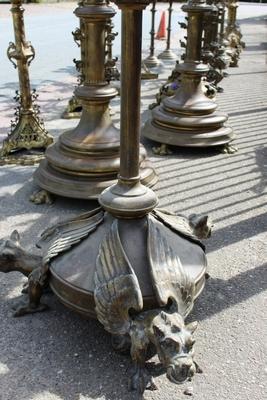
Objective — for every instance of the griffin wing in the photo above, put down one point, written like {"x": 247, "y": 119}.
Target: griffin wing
{"x": 169, "y": 278}
{"x": 66, "y": 234}
{"x": 116, "y": 286}
{"x": 178, "y": 223}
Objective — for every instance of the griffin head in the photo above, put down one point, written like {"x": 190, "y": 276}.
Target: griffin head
{"x": 174, "y": 343}
{"x": 10, "y": 251}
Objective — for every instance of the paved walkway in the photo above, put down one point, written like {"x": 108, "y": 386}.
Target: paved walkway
{"x": 59, "y": 356}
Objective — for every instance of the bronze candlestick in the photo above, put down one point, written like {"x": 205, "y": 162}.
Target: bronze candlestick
{"x": 136, "y": 268}
{"x": 168, "y": 54}
{"x": 85, "y": 160}
{"x": 233, "y": 33}
{"x": 188, "y": 118}
{"x": 27, "y": 131}
{"x": 152, "y": 60}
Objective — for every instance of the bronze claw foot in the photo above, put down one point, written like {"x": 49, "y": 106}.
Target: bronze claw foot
{"x": 141, "y": 381}
{"x": 30, "y": 308}
{"x": 199, "y": 370}
{"x": 42, "y": 197}
{"x": 162, "y": 150}
{"x": 229, "y": 149}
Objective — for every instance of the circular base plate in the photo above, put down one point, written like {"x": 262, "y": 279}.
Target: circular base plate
{"x": 177, "y": 136}
{"x": 84, "y": 186}
{"x": 168, "y": 55}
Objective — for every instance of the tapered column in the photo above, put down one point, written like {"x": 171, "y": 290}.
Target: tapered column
{"x": 189, "y": 118}
{"x": 85, "y": 160}
{"x": 128, "y": 198}
{"x": 27, "y": 131}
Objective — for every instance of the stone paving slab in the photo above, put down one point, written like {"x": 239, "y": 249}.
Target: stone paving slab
{"x": 60, "y": 356}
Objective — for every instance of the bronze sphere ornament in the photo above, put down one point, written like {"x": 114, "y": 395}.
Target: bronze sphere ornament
{"x": 28, "y": 138}
{"x": 135, "y": 268}
{"x": 188, "y": 118}
{"x": 85, "y": 160}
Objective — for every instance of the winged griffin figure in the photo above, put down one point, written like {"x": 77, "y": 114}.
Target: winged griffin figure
{"x": 119, "y": 306}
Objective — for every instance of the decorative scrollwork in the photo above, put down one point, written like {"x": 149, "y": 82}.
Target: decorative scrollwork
{"x": 12, "y": 53}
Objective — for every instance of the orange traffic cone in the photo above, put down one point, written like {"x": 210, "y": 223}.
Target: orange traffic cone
{"x": 161, "y": 34}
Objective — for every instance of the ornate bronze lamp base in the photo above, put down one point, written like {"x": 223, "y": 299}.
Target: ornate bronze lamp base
{"x": 138, "y": 269}
{"x": 27, "y": 140}
{"x": 188, "y": 118}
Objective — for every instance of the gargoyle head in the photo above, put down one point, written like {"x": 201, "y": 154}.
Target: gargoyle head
{"x": 10, "y": 251}
{"x": 174, "y": 343}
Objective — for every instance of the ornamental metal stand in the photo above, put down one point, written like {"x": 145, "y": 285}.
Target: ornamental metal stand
{"x": 233, "y": 33}
{"x": 85, "y": 160}
{"x": 152, "y": 60}
{"x": 168, "y": 54}
{"x": 189, "y": 118}
{"x": 27, "y": 130}
{"x": 136, "y": 268}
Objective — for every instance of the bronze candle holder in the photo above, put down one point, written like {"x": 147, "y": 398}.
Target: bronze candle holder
{"x": 233, "y": 34}
{"x": 85, "y": 160}
{"x": 27, "y": 130}
{"x": 168, "y": 54}
{"x": 189, "y": 118}
{"x": 152, "y": 60}
{"x": 136, "y": 268}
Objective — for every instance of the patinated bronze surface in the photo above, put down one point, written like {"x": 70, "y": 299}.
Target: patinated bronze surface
{"x": 233, "y": 34}
{"x": 168, "y": 54}
{"x": 189, "y": 118}
{"x": 27, "y": 130}
{"x": 85, "y": 160}
{"x": 138, "y": 269}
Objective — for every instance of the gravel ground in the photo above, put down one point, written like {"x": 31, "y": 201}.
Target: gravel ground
{"x": 60, "y": 356}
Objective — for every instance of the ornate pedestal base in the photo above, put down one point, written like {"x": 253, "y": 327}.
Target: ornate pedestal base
{"x": 83, "y": 176}
{"x": 139, "y": 277}
{"x": 27, "y": 141}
